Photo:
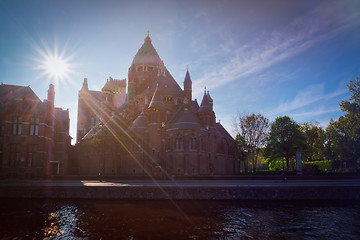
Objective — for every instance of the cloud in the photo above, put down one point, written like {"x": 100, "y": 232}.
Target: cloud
{"x": 302, "y": 33}
{"x": 310, "y": 95}
{"x": 314, "y": 113}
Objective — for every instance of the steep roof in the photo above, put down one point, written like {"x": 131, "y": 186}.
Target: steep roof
{"x": 205, "y": 104}
{"x": 194, "y": 105}
{"x": 166, "y": 86}
{"x": 187, "y": 77}
{"x": 146, "y": 54}
{"x": 14, "y": 91}
{"x": 184, "y": 119}
{"x": 116, "y": 124}
{"x": 156, "y": 101}
{"x": 140, "y": 124}
{"x": 220, "y": 131}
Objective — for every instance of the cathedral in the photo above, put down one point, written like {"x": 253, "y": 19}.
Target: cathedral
{"x": 154, "y": 129}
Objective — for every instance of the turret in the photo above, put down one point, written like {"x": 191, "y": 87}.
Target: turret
{"x": 85, "y": 85}
{"x": 188, "y": 86}
{"x": 205, "y": 112}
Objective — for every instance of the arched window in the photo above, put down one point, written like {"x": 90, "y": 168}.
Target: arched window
{"x": 179, "y": 143}
{"x": 192, "y": 142}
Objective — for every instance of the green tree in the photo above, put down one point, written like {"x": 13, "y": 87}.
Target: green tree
{"x": 315, "y": 141}
{"x": 285, "y": 139}
{"x": 252, "y": 132}
{"x": 242, "y": 150}
{"x": 343, "y": 135}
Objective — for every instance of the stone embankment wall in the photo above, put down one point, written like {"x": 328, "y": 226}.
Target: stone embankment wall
{"x": 182, "y": 193}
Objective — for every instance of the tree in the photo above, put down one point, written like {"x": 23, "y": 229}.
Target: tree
{"x": 315, "y": 141}
{"x": 343, "y": 135}
{"x": 285, "y": 139}
{"x": 242, "y": 150}
{"x": 252, "y": 133}
{"x": 352, "y": 106}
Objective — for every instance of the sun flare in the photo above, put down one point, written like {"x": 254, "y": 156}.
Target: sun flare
{"x": 56, "y": 66}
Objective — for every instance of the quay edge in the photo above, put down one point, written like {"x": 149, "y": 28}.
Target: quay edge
{"x": 183, "y": 192}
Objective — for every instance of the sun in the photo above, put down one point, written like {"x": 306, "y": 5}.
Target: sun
{"x": 54, "y": 65}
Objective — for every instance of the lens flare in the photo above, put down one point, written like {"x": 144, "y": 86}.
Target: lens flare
{"x": 56, "y": 67}
{"x": 53, "y": 64}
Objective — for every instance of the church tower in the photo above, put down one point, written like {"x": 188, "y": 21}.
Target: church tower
{"x": 205, "y": 112}
{"x": 145, "y": 61}
{"x": 188, "y": 86}
{"x": 84, "y": 111}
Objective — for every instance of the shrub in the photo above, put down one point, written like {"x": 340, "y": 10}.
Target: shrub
{"x": 322, "y": 166}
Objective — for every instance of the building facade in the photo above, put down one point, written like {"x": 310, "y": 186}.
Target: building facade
{"x": 34, "y": 135}
{"x": 156, "y": 129}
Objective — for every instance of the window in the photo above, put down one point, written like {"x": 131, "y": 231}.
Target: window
{"x": 34, "y": 126}
{"x": 14, "y": 155}
{"x": 16, "y": 129}
{"x": 179, "y": 143}
{"x": 2, "y": 130}
{"x": 30, "y": 155}
{"x": 1, "y": 155}
{"x": 192, "y": 144}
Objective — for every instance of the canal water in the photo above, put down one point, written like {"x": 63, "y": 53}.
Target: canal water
{"x": 110, "y": 219}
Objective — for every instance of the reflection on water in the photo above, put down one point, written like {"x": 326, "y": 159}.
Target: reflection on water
{"x": 63, "y": 224}
{"x": 96, "y": 219}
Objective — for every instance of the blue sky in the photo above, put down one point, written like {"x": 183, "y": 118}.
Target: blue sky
{"x": 271, "y": 57}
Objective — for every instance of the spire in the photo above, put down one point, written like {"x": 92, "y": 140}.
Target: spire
{"x": 209, "y": 97}
{"x": 187, "y": 76}
{"x": 188, "y": 85}
{"x": 146, "y": 54}
{"x": 147, "y": 39}
{"x": 205, "y": 103}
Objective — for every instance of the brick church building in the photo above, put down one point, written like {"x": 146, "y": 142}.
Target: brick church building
{"x": 34, "y": 134}
{"x": 155, "y": 129}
